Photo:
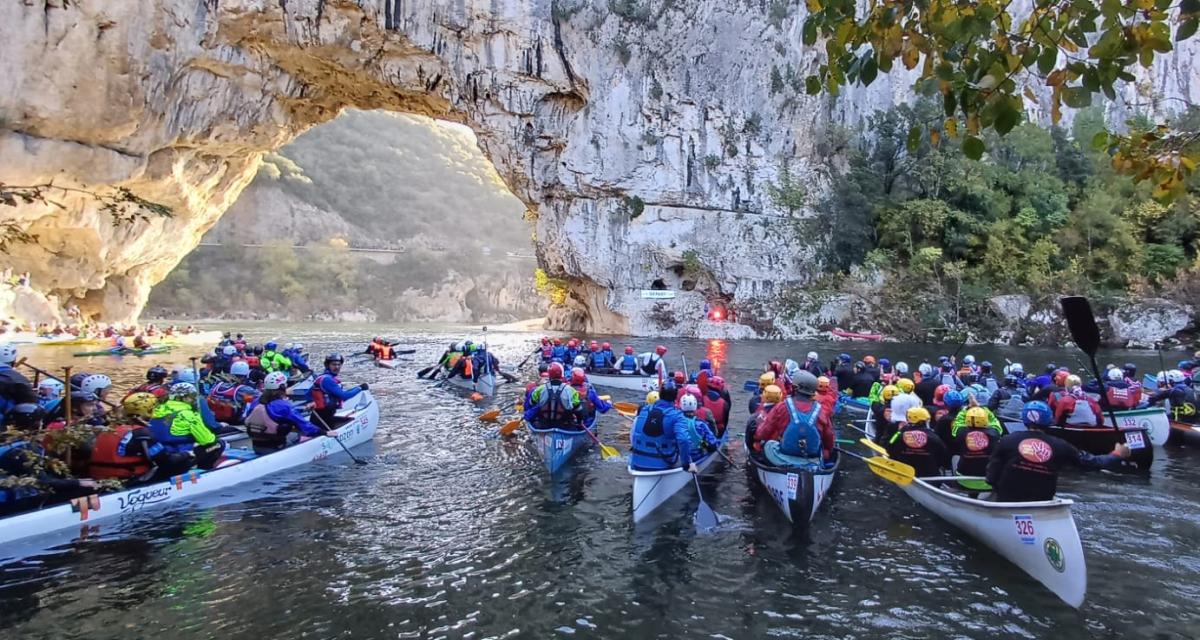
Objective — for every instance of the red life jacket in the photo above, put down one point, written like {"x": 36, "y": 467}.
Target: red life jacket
{"x": 320, "y": 401}
{"x": 113, "y": 457}
{"x": 1124, "y": 398}
{"x": 547, "y": 351}
{"x": 384, "y": 352}
{"x": 229, "y": 399}
{"x": 254, "y": 362}
{"x": 717, "y": 408}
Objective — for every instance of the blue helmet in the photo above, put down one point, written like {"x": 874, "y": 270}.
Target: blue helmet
{"x": 884, "y": 362}
{"x": 270, "y": 346}
{"x": 706, "y": 364}
{"x": 954, "y": 399}
{"x": 844, "y": 357}
{"x": 185, "y": 375}
{"x": 1037, "y": 414}
{"x": 1184, "y": 364}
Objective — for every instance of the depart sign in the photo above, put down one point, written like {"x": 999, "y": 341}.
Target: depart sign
{"x": 658, "y": 294}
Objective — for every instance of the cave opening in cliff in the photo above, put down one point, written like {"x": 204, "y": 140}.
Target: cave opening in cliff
{"x": 373, "y": 216}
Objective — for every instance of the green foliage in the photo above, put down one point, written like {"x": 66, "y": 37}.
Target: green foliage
{"x": 975, "y": 52}
{"x": 554, "y": 289}
{"x": 692, "y": 265}
{"x": 712, "y": 161}
{"x": 753, "y": 125}
{"x": 778, "y": 12}
{"x": 624, "y": 52}
{"x": 634, "y": 205}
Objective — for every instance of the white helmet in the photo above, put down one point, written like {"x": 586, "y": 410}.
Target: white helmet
{"x": 275, "y": 380}
{"x": 926, "y": 369}
{"x": 299, "y": 347}
{"x": 1015, "y": 369}
{"x": 95, "y": 383}
{"x": 902, "y": 368}
{"x": 50, "y": 388}
{"x": 1116, "y": 375}
{"x": 812, "y": 355}
{"x": 229, "y": 350}
{"x": 1175, "y": 376}
{"x": 581, "y": 361}
{"x": 289, "y": 346}
{"x": 182, "y": 389}
{"x": 240, "y": 368}
{"x": 8, "y": 353}
{"x": 791, "y": 367}
{"x": 969, "y": 360}
{"x": 688, "y": 403}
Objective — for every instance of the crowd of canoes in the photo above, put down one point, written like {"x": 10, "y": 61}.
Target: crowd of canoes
{"x": 75, "y": 451}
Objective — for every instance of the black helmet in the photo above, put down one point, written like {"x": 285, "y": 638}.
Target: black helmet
{"x": 804, "y": 383}
{"x": 1130, "y": 369}
{"x": 334, "y": 357}
{"x": 77, "y": 379}
{"x": 156, "y": 374}
{"x": 258, "y": 351}
{"x": 26, "y": 416}
{"x": 669, "y": 392}
{"x": 543, "y": 367}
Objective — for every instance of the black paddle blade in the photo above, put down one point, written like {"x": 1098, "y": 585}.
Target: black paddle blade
{"x": 1082, "y": 323}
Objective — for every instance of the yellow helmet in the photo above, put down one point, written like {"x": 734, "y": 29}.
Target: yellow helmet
{"x": 905, "y": 385}
{"x": 977, "y": 417}
{"x": 652, "y": 397}
{"x": 772, "y": 394}
{"x": 889, "y": 392}
{"x": 917, "y": 415}
{"x": 1073, "y": 381}
{"x": 141, "y": 404}
{"x": 765, "y": 379}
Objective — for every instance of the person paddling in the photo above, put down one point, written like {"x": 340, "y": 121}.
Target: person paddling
{"x": 1024, "y": 466}
{"x": 659, "y": 439}
{"x": 328, "y": 395}
{"x": 178, "y": 427}
{"x": 797, "y": 431}
{"x": 917, "y": 445}
{"x": 272, "y": 421}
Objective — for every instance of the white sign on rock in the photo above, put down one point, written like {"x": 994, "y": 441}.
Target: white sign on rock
{"x": 658, "y": 294}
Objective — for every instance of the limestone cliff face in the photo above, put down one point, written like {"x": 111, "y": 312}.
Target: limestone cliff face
{"x": 639, "y": 130}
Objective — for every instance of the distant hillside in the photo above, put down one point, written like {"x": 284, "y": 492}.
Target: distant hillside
{"x": 367, "y": 180}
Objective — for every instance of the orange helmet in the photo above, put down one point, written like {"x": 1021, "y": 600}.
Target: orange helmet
{"x": 869, "y": 360}
{"x": 822, "y": 384}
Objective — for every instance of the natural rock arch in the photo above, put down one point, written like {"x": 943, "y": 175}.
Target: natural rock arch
{"x": 628, "y": 133}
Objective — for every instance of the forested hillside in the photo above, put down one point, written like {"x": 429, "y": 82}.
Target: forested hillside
{"x": 368, "y": 180}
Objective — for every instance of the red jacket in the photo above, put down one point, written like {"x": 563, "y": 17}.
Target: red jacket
{"x": 778, "y": 420}
{"x": 1066, "y": 406}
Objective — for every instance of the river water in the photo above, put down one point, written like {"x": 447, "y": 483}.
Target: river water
{"x": 449, "y": 532}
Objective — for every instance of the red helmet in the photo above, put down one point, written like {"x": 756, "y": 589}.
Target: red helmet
{"x": 717, "y": 383}
{"x": 939, "y": 393}
{"x": 628, "y": 351}
{"x": 578, "y": 376}
{"x": 606, "y": 346}
{"x": 660, "y": 350}
{"x": 545, "y": 340}
{"x": 593, "y": 344}
{"x": 557, "y": 341}
{"x": 573, "y": 343}
{"x": 679, "y": 377}
{"x": 555, "y": 371}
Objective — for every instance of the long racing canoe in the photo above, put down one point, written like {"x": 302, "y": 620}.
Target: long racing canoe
{"x": 558, "y": 446}
{"x": 629, "y": 382}
{"x": 797, "y": 491}
{"x": 123, "y": 351}
{"x": 86, "y": 513}
{"x": 1038, "y": 537}
{"x": 652, "y": 488}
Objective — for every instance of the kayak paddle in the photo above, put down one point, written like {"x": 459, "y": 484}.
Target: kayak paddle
{"x": 536, "y": 351}
{"x": 1082, "y": 324}
{"x": 627, "y": 409}
{"x": 490, "y": 416}
{"x": 890, "y": 470}
{"x": 706, "y": 519}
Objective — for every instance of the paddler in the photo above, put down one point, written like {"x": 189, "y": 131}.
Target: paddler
{"x": 651, "y": 363}
{"x": 1074, "y": 408}
{"x": 178, "y": 427}
{"x": 1024, "y": 465}
{"x": 917, "y": 445}
{"x": 879, "y": 414}
{"x": 156, "y": 383}
{"x": 659, "y": 440}
{"x": 1184, "y": 405}
{"x": 590, "y": 401}
{"x": 973, "y": 441}
{"x": 947, "y": 413}
{"x": 129, "y": 451}
{"x": 797, "y": 431}
{"x": 771, "y": 396}
{"x": 602, "y": 361}
{"x": 700, "y": 436}
{"x": 765, "y": 380}
{"x": 554, "y": 404}
{"x": 1121, "y": 394}
{"x": 272, "y": 360}
{"x": 717, "y": 402}
{"x": 15, "y": 388}
{"x": 812, "y": 364}
{"x": 328, "y": 395}
{"x": 22, "y": 456}
{"x": 861, "y": 381}
{"x": 629, "y": 363}
{"x": 826, "y": 395}
{"x": 272, "y": 421}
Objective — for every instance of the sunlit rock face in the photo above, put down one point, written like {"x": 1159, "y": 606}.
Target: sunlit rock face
{"x": 644, "y": 139}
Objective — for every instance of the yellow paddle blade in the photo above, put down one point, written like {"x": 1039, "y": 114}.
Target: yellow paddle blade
{"x": 626, "y": 408}
{"x": 892, "y": 470}
{"x": 607, "y": 452}
{"x": 606, "y": 398}
{"x": 510, "y": 427}
{"x": 490, "y": 416}
{"x": 870, "y": 444}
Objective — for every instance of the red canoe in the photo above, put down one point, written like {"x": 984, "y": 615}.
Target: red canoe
{"x": 850, "y": 335}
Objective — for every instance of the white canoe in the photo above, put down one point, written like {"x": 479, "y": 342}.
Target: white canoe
{"x": 630, "y": 382}
{"x": 1038, "y": 537}
{"x": 797, "y": 492}
{"x": 652, "y": 488}
{"x": 133, "y": 502}
{"x": 485, "y": 385}
{"x": 387, "y": 364}
{"x": 1153, "y": 419}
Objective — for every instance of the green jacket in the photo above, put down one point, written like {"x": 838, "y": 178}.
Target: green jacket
{"x": 960, "y": 422}
{"x": 275, "y": 361}
{"x": 187, "y": 421}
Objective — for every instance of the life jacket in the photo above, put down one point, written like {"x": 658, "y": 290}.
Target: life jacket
{"x": 802, "y": 438}
{"x": 384, "y": 352}
{"x": 599, "y": 360}
{"x": 1126, "y": 397}
{"x": 649, "y": 364}
{"x": 689, "y": 424}
{"x": 254, "y": 362}
{"x": 116, "y": 453}
{"x": 982, "y": 395}
{"x": 159, "y": 390}
{"x": 468, "y": 371}
{"x": 652, "y": 446}
{"x": 263, "y": 431}
{"x": 559, "y": 353}
{"x": 1031, "y": 474}
{"x": 717, "y": 407}
{"x": 554, "y": 406}
{"x": 629, "y": 363}
{"x": 1184, "y": 407}
{"x": 229, "y": 399}
{"x": 911, "y": 445}
{"x": 322, "y": 401}
{"x": 974, "y": 446}
{"x": 589, "y": 407}
{"x": 160, "y": 429}
{"x": 989, "y": 383}
{"x": 547, "y": 351}
{"x": 1082, "y": 413}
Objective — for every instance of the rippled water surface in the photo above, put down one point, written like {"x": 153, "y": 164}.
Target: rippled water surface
{"x": 450, "y": 532}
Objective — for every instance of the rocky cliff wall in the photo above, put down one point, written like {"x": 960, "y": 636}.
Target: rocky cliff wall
{"x": 637, "y": 130}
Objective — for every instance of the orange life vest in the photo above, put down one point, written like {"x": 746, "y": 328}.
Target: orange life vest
{"x": 112, "y": 455}
{"x": 384, "y": 351}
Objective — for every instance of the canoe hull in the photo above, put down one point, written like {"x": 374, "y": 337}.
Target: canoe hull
{"x": 630, "y": 383}
{"x": 1039, "y": 537}
{"x": 132, "y": 502}
{"x": 1153, "y": 420}
{"x": 485, "y": 385}
{"x": 852, "y": 335}
{"x": 1184, "y": 434}
{"x": 557, "y": 447}
{"x": 653, "y": 488}
{"x": 387, "y": 364}
{"x": 798, "y": 493}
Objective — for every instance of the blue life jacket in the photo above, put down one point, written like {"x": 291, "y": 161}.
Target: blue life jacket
{"x": 629, "y": 363}
{"x": 569, "y": 355}
{"x": 653, "y": 442}
{"x": 558, "y": 353}
{"x": 802, "y": 438}
{"x": 160, "y": 428}
{"x": 600, "y": 360}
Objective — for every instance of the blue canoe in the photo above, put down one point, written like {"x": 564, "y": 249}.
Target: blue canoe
{"x": 558, "y": 446}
